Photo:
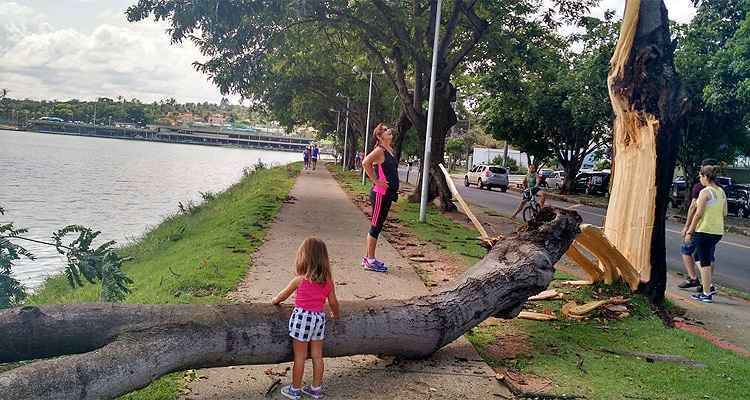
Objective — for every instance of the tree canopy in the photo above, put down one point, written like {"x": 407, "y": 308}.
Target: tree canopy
{"x": 247, "y": 43}
{"x": 554, "y": 105}
{"x": 713, "y": 60}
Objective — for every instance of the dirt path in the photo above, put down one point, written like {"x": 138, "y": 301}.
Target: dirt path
{"x": 321, "y": 208}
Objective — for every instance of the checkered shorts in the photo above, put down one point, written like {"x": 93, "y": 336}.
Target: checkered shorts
{"x": 307, "y": 325}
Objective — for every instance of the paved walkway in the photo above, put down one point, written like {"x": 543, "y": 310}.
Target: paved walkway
{"x": 322, "y": 209}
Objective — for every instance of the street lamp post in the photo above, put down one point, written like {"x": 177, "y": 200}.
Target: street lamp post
{"x": 346, "y": 133}
{"x": 430, "y": 117}
{"x": 367, "y": 129}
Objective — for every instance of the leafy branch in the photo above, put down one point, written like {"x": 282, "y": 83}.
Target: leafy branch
{"x": 84, "y": 262}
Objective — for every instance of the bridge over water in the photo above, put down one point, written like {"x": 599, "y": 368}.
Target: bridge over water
{"x": 177, "y": 135}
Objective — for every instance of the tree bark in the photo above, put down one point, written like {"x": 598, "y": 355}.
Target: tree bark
{"x": 112, "y": 349}
{"x": 444, "y": 119}
{"x": 649, "y": 104}
{"x": 569, "y": 182}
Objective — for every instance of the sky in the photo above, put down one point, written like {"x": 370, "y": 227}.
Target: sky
{"x": 84, "y": 49}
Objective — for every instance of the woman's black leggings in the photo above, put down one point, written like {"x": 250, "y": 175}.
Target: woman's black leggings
{"x": 381, "y": 204}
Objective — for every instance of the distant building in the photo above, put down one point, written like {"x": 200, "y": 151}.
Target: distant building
{"x": 485, "y": 155}
{"x": 218, "y": 119}
{"x": 186, "y": 118}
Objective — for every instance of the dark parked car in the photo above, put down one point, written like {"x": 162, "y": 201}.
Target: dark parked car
{"x": 738, "y": 196}
{"x": 592, "y": 182}
{"x": 679, "y": 186}
{"x": 738, "y": 200}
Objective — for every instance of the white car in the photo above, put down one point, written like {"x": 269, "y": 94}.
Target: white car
{"x": 556, "y": 179}
{"x": 487, "y": 176}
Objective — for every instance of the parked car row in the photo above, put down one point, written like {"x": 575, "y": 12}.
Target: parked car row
{"x": 597, "y": 183}
{"x": 738, "y": 196}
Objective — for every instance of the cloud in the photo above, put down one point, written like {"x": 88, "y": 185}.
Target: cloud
{"x": 679, "y": 10}
{"x": 116, "y": 58}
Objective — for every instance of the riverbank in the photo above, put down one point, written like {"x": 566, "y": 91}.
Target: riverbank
{"x": 195, "y": 256}
{"x": 607, "y": 356}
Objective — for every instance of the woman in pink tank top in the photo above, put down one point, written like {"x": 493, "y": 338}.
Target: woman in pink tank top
{"x": 313, "y": 286}
{"x": 384, "y": 191}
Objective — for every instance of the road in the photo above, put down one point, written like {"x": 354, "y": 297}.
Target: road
{"x": 732, "y": 253}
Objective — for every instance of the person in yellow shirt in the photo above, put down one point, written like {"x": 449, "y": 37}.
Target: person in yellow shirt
{"x": 707, "y": 227}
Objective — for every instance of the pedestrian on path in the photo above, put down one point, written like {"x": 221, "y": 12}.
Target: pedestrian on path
{"x": 306, "y": 154}
{"x": 384, "y": 191}
{"x": 707, "y": 227}
{"x": 688, "y": 247}
{"x": 314, "y": 155}
{"x": 313, "y": 286}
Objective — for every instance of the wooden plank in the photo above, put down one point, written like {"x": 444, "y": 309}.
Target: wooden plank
{"x": 464, "y": 206}
{"x": 535, "y": 316}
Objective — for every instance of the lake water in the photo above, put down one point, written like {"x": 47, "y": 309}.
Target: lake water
{"x": 119, "y": 187}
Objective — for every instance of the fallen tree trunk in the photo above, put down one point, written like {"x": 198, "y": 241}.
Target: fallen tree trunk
{"x": 649, "y": 105}
{"x": 118, "y": 348}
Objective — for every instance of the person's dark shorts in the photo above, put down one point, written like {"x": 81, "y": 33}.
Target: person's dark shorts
{"x": 705, "y": 247}
{"x": 687, "y": 248}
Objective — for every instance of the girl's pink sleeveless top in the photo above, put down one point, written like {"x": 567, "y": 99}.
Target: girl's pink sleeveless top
{"x": 311, "y": 296}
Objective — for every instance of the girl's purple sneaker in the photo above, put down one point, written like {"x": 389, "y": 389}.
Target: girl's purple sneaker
{"x": 373, "y": 265}
{"x": 314, "y": 393}
{"x": 291, "y": 393}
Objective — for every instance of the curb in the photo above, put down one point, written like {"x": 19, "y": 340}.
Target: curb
{"x": 560, "y": 197}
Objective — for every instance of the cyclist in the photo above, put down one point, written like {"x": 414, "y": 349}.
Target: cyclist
{"x": 532, "y": 185}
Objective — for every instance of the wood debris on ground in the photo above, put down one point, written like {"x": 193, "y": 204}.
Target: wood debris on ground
{"x": 550, "y": 294}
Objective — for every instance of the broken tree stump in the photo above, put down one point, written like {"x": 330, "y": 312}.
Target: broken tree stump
{"x": 649, "y": 104}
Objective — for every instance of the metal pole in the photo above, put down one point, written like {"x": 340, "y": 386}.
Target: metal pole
{"x": 346, "y": 132}
{"x": 430, "y": 116}
{"x": 367, "y": 130}
{"x": 338, "y": 118}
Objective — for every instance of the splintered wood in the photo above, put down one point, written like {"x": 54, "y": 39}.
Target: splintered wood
{"x": 612, "y": 264}
{"x": 629, "y": 224}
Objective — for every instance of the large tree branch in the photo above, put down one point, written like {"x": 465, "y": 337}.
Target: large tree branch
{"x": 124, "y": 347}
{"x": 480, "y": 27}
{"x": 450, "y": 28}
{"x": 398, "y": 31}
{"x": 397, "y": 77}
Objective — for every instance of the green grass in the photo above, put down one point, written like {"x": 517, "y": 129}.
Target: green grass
{"x": 557, "y": 347}
{"x": 196, "y": 257}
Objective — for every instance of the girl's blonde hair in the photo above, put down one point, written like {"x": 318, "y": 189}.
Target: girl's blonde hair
{"x": 312, "y": 261}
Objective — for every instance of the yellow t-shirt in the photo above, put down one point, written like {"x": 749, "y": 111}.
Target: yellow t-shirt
{"x": 712, "y": 220}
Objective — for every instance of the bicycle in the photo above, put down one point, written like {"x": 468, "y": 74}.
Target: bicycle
{"x": 532, "y": 208}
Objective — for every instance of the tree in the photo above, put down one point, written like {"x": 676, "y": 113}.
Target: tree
{"x": 456, "y": 149}
{"x": 239, "y": 37}
{"x": 553, "y": 102}
{"x": 650, "y": 104}
{"x": 113, "y": 349}
{"x": 713, "y": 59}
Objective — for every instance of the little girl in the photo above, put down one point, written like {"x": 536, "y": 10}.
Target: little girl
{"x": 307, "y": 325}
